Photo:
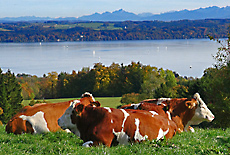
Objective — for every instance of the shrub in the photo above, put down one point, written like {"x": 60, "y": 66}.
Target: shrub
{"x": 132, "y": 98}
{"x": 33, "y": 102}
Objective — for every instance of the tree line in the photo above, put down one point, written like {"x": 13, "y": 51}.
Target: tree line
{"x": 53, "y": 31}
{"x": 101, "y": 80}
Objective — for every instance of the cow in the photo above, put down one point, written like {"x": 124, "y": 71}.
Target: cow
{"x": 184, "y": 111}
{"x": 109, "y": 126}
{"x": 41, "y": 118}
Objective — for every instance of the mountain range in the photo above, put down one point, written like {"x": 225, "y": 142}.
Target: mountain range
{"x": 213, "y": 12}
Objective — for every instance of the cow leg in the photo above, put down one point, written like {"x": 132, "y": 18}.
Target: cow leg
{"x": 104, "y": 141}
{"x": 191, "y": 129}
{"x": 29, "y": 128}
{"x": 91, "y": 143}
{"x": 88, "y": 144}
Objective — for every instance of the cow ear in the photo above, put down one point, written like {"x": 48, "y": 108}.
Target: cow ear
{"x": 96, "y": 103}
{"x": 79, "y": 108}
{"x": 190, "y": 104}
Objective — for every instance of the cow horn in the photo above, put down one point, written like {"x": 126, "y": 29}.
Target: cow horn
{"x": 196, "y": 96}
{"x": 190, "y": 104}
{"x": 96, "y": 103}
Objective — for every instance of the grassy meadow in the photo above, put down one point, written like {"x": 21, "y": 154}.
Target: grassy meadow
{"x": 93, "y": 25}
{"x": 203, "y": 141}
{"x": 112, "y": 102}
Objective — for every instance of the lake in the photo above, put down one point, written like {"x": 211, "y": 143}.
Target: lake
{"x": 188, "y": 57}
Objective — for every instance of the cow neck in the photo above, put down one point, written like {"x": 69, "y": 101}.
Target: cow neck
{"x": 90, "y": 116}
{"x": 180, "y": 113}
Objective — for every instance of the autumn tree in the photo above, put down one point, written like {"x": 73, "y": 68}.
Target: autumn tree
{"x": 102, "y": 79}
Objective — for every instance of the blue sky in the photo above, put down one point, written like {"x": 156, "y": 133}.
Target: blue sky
{"x": 77, "y": 8}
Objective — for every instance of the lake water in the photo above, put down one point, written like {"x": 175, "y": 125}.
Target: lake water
{"x": 188, "y": 57}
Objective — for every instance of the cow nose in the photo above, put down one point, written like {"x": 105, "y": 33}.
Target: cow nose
{"x": 210, "y": 118}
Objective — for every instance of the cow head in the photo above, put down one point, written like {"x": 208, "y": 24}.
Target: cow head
{"x": 202, "y": 110}
{"x": 79, "y": 108}
{"x": 87, "y": 98}
{"x": 65, "y": 121}
{"x": 202, "y": 113}
{"x": 68, "y": 119}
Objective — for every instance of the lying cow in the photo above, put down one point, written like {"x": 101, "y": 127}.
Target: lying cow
{"x": 42, "y": 117}
{"x": 108, "y": 126}
{"x": 184, "y": 111}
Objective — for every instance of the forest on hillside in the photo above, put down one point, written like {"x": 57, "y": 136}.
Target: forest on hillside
{"x": 52, "y": 31}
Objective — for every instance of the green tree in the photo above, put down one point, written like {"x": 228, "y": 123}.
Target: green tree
{"x": 135, "y": 76}
{"x": 222, "y": 57}
{"x": 10, "y": 95}
{"x": 168, "y": 87}
{"x": 215, "y": 83}
{"x": 150, "y": 84}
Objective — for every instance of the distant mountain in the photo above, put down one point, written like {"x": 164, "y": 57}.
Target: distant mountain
{"x": 213, "y": 12}
{"x": 201, "y": 13}
{"x": 119, "y": 15}
{"x": 25, "y": 18}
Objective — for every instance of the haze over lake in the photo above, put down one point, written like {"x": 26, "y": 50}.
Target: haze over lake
{"x": 188, "y": 57}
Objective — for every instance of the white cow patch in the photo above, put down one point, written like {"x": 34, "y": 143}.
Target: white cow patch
{"x": 122, "y": 137}
{"x": 169, "y": 115}
{"x": 65, "y": 121}
{"x": 160, "y": 100}
{"x": 37, "y": 121}
{"x": 107, "y": 108}
{"x": 153, "y": 113}
{"x": 138, "y": 135}
{"x": 162, "y": 133}
{"x": 126, "y": 115}
{"x": 135, "y": 106}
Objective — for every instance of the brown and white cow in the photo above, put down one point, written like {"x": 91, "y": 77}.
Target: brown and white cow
{"x": 43, "y": 117}
{"x": 184, "y": 111}
{"x": 108, "y": 126}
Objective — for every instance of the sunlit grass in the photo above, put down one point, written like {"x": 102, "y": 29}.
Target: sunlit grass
{"x": 112, "y": 102}
{"x": 208, "y": 141}
{"x": 203, "y": 141}
{"x": 2, "y": 29}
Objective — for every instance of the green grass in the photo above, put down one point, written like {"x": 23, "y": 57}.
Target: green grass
{"x": 112, "y": 102}
{"x": 2, "y": 29}
{"x": 203, "y": 141}
{"x": 67, "y": 26}
{"x": 209, "y": 141}
{"x": 93, "y": 25}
